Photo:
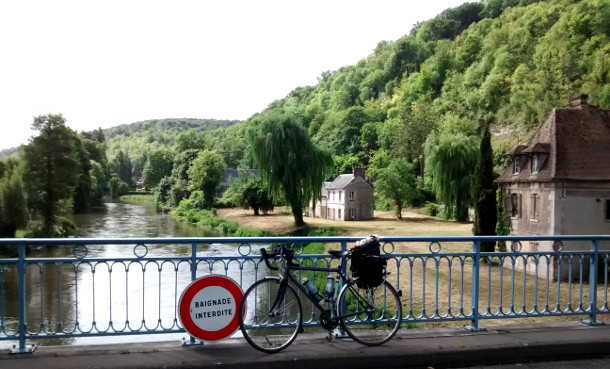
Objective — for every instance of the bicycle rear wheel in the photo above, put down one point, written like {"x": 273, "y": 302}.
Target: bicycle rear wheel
{"x": 370, "y": 316}
{"x": 270, "y": 318}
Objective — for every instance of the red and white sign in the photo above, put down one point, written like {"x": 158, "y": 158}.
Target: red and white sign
{"x": 208, "y": 307}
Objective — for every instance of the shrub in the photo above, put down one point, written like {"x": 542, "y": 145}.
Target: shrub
{"x": 431, "y": 209}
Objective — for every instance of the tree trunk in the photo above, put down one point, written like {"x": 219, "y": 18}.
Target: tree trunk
{"x": 297, "y": 212}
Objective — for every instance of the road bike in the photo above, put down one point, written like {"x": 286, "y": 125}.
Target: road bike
{"x": 271, "y": 314}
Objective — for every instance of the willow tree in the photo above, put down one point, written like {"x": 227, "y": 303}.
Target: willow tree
{"x": 289, "y": 163}
{"x": 450, "y": 161}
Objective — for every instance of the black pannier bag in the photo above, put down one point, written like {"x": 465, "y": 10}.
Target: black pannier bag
{"x": 367, "y": 264}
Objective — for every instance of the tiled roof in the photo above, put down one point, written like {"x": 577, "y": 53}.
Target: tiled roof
{"x": 341, "y": 181}
{"x": 577, "y": 143}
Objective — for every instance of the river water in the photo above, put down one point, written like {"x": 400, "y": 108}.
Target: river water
{"x": 114, "y": 295}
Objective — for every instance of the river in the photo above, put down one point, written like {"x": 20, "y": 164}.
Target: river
{"x": 113, "y": 292}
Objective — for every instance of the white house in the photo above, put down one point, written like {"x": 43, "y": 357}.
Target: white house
{"x": 347, "y": 197}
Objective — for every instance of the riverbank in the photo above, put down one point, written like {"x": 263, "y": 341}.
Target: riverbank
{"x": 384, "y": 223}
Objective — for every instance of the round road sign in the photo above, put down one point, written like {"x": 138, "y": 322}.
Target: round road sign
{"x": 208, "y": 307}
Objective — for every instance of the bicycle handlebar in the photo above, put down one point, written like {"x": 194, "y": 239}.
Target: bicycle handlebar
{"x": 279, "y": 251}
{"x": 266, "y": 256}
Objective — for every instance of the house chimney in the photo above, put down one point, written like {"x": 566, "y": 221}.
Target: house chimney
{"x": 359, "y": 171}
{"x": 579, "y": 101}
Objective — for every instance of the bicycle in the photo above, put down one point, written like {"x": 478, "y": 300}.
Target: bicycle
{"x": 271, "y": 315}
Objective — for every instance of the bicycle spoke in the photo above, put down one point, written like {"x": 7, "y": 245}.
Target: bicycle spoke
{"x": 273, "y": 315}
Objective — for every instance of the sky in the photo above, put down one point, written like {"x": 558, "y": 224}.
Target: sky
{"x": 106, "y": 63}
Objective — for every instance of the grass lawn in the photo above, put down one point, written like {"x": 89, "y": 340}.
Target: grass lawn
{"x": 454, "y": 288}
{"x": 414, "y": 223}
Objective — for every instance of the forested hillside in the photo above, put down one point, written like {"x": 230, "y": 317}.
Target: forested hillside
{"x": 506, "y": 63}
{"x": 136, "y": 139}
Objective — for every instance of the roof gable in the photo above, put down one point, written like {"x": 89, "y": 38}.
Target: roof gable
{"x": 577, "y": 142}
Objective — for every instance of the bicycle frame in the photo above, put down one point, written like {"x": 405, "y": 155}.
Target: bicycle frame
{"x": 333, "y": 314}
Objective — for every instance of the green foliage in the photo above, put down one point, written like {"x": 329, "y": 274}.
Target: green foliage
{"x": 397, "y": 184}
{"x": 289, "y": 162}
{"x": 51, "y": 171}
{"x": 450, "y": 161}
{"x": 344, "y": 164}
{"x": 205, "y": 174}
{"x": 431, "y": 209}
{"x": 13, "y": 209}
{"x": 159, "y": 164}
{"x": 247, "y": 191}
{"x": 484, "y": 193}
{"x": 503, "y": 225}
{"x": 189, "y": 210}
{"x": 135, "y": 139}
{"x": 117, "y": 188}
{"x": 122, "y": 167}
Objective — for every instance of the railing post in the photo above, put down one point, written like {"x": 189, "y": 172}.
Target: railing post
{"x": 21, "y": 271}
{"x": 193, "y": 261}
{"x": 192, "y": 341}
{"x": 593, "y": 276}
{"x": 475, "y": 288}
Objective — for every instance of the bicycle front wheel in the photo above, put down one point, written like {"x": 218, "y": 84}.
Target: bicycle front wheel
{"x": 270, "y": 315}
{"x": 370, "y": 316}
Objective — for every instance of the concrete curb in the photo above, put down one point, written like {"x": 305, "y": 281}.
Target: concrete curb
{"x": 417, "y": 348}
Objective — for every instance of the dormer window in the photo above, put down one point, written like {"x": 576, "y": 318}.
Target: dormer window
{"x": 516, "y": 165}
{"x": 535, "y": 164}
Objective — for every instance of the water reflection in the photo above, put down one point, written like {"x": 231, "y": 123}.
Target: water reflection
{"x": 110, "y": 295}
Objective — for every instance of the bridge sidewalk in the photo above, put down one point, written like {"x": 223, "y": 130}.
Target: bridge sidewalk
{"x": 417, "y": 348}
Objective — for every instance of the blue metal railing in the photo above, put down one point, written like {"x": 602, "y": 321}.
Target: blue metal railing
{"x": 83, "y": 288}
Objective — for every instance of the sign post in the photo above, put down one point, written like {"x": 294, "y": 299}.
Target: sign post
{"x": 208, "y": 307}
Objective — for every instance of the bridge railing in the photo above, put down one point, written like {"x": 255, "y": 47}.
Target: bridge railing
{"x": 70, "y": 289}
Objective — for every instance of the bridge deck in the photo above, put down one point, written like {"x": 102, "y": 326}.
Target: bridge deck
{"x": 416, "y": 348}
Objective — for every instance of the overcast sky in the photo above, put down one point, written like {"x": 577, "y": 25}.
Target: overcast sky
{"x": 105, "y": 63}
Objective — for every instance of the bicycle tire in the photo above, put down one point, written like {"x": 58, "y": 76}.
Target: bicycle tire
{"x": 370, "y": 316}
{"x": 265, "y": 330}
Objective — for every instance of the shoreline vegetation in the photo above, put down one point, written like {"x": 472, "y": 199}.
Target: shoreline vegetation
{"x": 243, "y": 223}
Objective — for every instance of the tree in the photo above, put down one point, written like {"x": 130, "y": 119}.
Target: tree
{"x": 485, "y": 215}
{"x": 13, "y": 207}
{"x": 179, "y": 181}
{"x": 83, "y": 193}
{"x": 248, "y": 191}
{"x": 289, "y": 162}
{"x": 205, "y": 175}
{"x": 397, "y": 184}
{"x": 450, "y": 161}
{"x": 159, "y": 164}
{"x": 51, "y": 169}
{"x": 123, "y": 167}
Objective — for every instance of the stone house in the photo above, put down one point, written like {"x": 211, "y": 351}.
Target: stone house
{"x": 347, "y": 197}
{"x": 558, "y": 183}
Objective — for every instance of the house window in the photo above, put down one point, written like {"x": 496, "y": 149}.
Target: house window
{"x": 535, "y": 208}
{"x": 516, "y": 165}
{"x": 339, "y": 195}
{"x": 535, "y": 164}
{"x": 352, "y": 213}
{"x": 351, "y": 196}
{"x": 515, "y": 205}
{"x": 339, "y": 211}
